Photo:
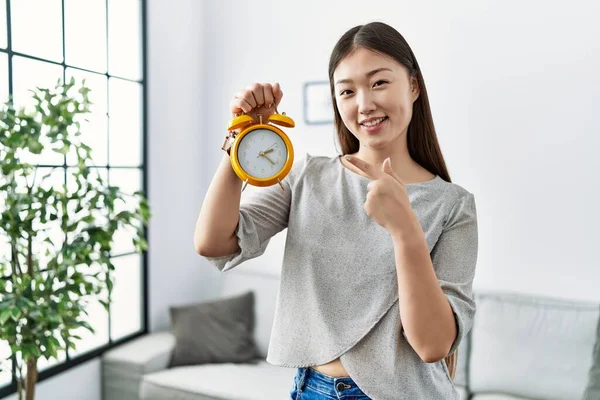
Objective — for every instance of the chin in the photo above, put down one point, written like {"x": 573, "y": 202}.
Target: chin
{"x": 375, "y": 143}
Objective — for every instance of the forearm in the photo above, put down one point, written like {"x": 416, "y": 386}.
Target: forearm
{"x": 425, "y": 312}
{"x": 215, "y": 228}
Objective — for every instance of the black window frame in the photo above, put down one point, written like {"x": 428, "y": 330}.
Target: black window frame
{"x": 71, "y": 362}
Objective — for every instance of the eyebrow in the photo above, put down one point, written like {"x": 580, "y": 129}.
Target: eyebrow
{"x": 368, "y": 75}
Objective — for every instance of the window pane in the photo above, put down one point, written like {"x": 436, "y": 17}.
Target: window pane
{"x": 122, "y": 241}
{"x": 129, "y": 180}
{"x": 94, "y": 131}
{"x": 3, "y": 25}
{"x": 93, "y": 176}
{"x": 97, "y": 317}
{"x": 49, "y": 178}
{"x": 72, "y": 185}
{"x": 31, "y": 16}
{"x": 3, "y": 78}
{"x": 101, "y": 216}
{"x": 44, "y": 364}
{"x": 5, "y": 363}
{"x": 27, "y": 75}
{"x": 43, "y": 177}
{"x": 124, "y": 39}
{"x": 85, "y": 34}
{"x": 125, "y": 123}
{"x": 126, "y": 307}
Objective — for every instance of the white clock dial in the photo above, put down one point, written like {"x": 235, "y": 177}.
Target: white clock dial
{"x": 262, "y": 153}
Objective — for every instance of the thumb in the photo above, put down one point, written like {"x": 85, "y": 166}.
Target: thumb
{"x": 387, "y": 168}
{"x": 387, "y": 165}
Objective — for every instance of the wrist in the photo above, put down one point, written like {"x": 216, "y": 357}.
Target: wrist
{"x": 408, "y": 233}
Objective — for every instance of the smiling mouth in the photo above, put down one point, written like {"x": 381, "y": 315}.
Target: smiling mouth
{"x": 373, "y": 123}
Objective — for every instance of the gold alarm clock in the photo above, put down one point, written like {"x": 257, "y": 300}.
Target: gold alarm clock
{"x": 261, "y": 153}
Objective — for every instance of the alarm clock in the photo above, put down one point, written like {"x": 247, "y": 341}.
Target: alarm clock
{"x": 261, "y": 153}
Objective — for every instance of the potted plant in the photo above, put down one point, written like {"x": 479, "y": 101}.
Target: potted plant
{"x": 48, "y": 279}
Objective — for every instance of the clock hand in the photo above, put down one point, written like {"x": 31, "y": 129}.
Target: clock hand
{"x": 269, "y": 148}
{"x": 267, "y": 157}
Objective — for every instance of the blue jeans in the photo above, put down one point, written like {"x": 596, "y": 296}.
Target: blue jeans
{"x": 313, "y": 385}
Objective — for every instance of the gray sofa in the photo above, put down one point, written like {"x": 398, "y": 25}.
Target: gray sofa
{"x": 520, "y": 347}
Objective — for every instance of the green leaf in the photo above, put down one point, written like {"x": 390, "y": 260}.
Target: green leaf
{"x": 16, "y": 314}
{"x": 5, "y": 314}
{"x": 105, "y": 304}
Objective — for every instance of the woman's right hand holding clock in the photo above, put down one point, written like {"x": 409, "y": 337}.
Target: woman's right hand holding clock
{"x": 257, "y": 98}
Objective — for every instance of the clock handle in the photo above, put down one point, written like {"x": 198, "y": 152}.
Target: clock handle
{"x": 260, "y": 116}
{"x": 245, "y": 184}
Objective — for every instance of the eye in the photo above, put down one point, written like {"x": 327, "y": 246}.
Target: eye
{"x": 380, "y": 82}
{"x": 345, "y": 92}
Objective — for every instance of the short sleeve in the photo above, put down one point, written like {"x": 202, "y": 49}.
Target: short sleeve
{"x": 454, "y": 258}
{"x": 262, "y": 215}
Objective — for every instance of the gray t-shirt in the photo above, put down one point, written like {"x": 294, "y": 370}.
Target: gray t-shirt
{"x": 338, "y": 292}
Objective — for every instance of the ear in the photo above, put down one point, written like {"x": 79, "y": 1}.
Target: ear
{"x": 414, "y": 88}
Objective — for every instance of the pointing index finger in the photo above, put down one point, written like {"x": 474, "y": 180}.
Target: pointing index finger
{"x": 364, "y": 166}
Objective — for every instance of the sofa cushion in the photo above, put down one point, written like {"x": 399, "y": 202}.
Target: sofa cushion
{"x": 220, "y": 381}
{"x": 217, "y": 331}
{"x": 532, "y": 347}
{"x": 593, "y": 390}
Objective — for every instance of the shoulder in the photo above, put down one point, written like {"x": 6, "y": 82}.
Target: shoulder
{"x": 309, "y": 165}
{"x": 453, "y": 191}
{"x": 315, "y": 161}
{"x": 459, "y": 202}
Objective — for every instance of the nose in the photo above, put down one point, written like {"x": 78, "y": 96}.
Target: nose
{"x": 366, "y": 105}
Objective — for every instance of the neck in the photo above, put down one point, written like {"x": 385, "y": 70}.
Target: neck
{"x": 403, "y": 165}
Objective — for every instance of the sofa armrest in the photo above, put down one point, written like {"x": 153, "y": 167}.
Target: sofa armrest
{"x": 124, "y": 366}
{"x": 148, "y": 353}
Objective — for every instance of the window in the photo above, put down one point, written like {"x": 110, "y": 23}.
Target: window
{"x": 102, "y": 41}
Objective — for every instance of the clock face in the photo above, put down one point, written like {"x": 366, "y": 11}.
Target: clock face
{"x": 262, "y": 153}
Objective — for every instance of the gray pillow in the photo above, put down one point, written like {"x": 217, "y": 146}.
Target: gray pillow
{"x": 217, "y": 331}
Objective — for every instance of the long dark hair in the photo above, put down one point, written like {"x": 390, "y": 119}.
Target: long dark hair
{"x": 422, "y": 142}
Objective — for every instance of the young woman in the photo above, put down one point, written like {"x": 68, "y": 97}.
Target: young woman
{"x": 381, "y": 248}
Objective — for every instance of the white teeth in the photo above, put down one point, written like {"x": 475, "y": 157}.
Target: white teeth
{"x": 374, "y": 122}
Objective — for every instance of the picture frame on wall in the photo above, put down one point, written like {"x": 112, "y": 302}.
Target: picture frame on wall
{"x": 318, "y": 109}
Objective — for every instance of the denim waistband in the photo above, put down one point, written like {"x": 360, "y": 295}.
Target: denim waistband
{"x": 338, "y": 388}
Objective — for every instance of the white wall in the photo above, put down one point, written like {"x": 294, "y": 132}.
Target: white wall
{"x": 176, "y": 118}
{"x": 512, "y": 87}
{"x": 79, "y": 383}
